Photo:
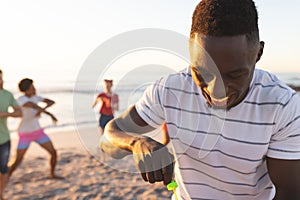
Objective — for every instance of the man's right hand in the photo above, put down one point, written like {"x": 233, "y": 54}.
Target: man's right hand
{"x": 153, "y": 160}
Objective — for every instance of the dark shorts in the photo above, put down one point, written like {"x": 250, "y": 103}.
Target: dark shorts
{"x": 4, "y": 156}
{"x": 104, "y": 119}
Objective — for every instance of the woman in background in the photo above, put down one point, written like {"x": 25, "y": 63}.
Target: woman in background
{"x": 109, "y": 104}
{"x": 29, "y": 129}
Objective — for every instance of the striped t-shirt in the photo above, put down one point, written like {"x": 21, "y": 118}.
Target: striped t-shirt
{"x": 222, "y": 154}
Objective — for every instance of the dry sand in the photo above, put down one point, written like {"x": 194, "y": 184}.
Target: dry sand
{"x": 84, "y": 176}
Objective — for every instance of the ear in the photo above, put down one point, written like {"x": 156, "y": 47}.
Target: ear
{"x": 261, "y": 50}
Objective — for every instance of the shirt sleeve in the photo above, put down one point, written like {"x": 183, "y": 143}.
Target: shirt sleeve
{"x": 13, "y": 101}
{"x": 39, "y": 98}
{"x": 149, "y": 107}
{"x": 100, "y": 95}
{"x": 285, "y": 142}
{"x": 22, "y": 100}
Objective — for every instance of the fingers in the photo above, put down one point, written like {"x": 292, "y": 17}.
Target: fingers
{"x": 158, "y": 175}
{"x": 141, "y": 168}
{"x": 167, "y": 174}
{"x": 149, "y": 169}
{"x": 167, "y": 168}
{"x": 155, "y": 169}
{"x": 153, "y": 160}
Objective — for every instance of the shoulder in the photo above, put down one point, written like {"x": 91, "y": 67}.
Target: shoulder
{"x": 23, "y": 97}
{"x": 182, "y": 75}
{"x": 101, "y": 94}
{"x": 7, "y": 93}
{"x": 268, "y": 86}
{"x": 37, "y": 98}
{"x": 176, "y": 79}
{"x": 22, "y": 100}
{"x": 179, "y": 81}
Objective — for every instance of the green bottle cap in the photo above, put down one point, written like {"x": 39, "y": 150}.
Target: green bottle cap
{"x": 172, "y": 185}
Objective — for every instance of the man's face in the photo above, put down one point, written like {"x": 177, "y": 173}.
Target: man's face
{"x": 223, "y": 68}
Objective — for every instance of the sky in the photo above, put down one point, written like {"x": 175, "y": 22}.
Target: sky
{"x": 52, "y": 39}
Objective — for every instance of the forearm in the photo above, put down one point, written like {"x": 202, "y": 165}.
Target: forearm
{"x": 97, "y": 100}
{"x": 94, "y": 104}
{"x": 120, "y": 137}
{"x": 4, "y": 114}
{"x": 47, "y": 113}
{"x": 16, "y": 113}
{"x": 41, "y": 110}
{"x": 115, "y": 142}
{"x": 124, "y": 133}
{"x": 49, "y": 103}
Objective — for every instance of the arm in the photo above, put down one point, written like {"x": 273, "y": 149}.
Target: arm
{"x": 115, "y": 103}
{"x": 16, "y": 113}
{"x": 48, "y": 102}
{"x": 285, "y": 175}
{"x": 116, "y": 107}
{"x": 97, "y": 100}
{"x": 40, "y": 110}
{"x": 122, "y": 137}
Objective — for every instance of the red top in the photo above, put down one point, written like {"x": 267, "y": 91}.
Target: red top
{"x": 107, "y": 102}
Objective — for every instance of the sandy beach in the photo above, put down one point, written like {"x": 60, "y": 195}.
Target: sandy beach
{"x": 84, "y": 176}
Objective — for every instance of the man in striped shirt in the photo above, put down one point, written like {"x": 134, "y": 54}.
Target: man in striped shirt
{"x": 234, "y": 129}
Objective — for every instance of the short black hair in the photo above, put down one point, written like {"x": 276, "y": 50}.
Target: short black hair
{"x": 226, "y": 18}
{"x": 25, "y": 84}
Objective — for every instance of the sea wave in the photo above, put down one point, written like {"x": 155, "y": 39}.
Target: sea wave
{"x": 123, "y": 89}
{"x": 62, "y": 126}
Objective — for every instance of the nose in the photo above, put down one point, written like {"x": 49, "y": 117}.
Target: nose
{"x": 217, "y": 88}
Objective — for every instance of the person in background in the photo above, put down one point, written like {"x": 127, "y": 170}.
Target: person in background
{"x": 235, "y": 129}
{"x": 109, "y": 104}
{"x": 29, "y": 129}
{"x": 6, "y": 100}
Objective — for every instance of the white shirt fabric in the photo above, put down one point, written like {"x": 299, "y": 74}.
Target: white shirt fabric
{"x": 222, "y": 154}
{"x": 29, "y": 121}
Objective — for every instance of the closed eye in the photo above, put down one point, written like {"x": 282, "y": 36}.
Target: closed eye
{"x": 238, "y": 74}
{"x": 203, "y": 74}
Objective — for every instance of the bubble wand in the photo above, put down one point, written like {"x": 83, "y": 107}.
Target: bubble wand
{"x": 172, "y": 186}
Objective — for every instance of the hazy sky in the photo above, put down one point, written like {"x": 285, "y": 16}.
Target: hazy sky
{"x": 39, "y": 38}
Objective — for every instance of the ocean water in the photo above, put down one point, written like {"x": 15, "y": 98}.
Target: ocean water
{"x": 73, "y": 105}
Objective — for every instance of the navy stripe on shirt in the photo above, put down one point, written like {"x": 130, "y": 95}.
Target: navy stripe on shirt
{"x": 225, "y": 119}
{"x": 227, "y": 182}
{"x": 219, "y": 151}
{"x": 211, "y": 133}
